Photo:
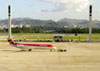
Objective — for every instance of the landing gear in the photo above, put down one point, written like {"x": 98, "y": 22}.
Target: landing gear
{"x": 62, "y": 50}
{"x": 52, "y": 50}
{"x": 30, "y": 50}
{"x": 22, "y": 50}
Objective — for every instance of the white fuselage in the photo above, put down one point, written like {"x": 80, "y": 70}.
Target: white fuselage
{"x": 33, "y": 47}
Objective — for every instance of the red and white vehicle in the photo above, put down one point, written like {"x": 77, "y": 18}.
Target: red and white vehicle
{"x": 29, "y": 47}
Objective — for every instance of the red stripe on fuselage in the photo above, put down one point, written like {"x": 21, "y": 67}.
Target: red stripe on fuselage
{"x": 38, "y": 45}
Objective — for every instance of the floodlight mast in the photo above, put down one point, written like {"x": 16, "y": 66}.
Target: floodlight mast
{"x": 90, "y": 23}
{"x": 9, "y": 22}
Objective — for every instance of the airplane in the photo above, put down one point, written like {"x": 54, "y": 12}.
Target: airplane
{"x": 22, "y": 46}
{"x": 29, "y": 47}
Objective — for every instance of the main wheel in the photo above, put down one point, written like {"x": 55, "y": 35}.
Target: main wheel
{"x": 30, "y": 50}
{"x": 52, "y": 50}
{"x": 22, "y": 50}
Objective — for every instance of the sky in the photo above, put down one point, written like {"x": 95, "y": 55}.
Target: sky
{"x": 50, "y": 9}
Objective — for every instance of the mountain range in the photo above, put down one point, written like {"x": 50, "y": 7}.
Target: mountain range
{"x": 66, "y": 22}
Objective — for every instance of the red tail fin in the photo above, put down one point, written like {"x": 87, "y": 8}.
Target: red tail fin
{"x": 10, "y": 41}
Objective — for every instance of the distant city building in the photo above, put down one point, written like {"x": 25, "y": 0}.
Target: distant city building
{"x": 20, "y": 26}
{"x": 65, "y": 26}
{"x": 27, "y": 25}
{"x": 3, "y": 26}
{"x": 74, "y": 26}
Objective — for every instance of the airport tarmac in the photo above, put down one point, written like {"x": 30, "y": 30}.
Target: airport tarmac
{"x": 79, "y": 57}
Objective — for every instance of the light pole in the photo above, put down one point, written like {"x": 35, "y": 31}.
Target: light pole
{"x": 90, "y": 23}
{"x": 9, "y": 22}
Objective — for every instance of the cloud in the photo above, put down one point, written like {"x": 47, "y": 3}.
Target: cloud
{"x": 67, "y": 5}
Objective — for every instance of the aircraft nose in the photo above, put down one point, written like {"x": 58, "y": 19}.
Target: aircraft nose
{"x": 54, "y": 47}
